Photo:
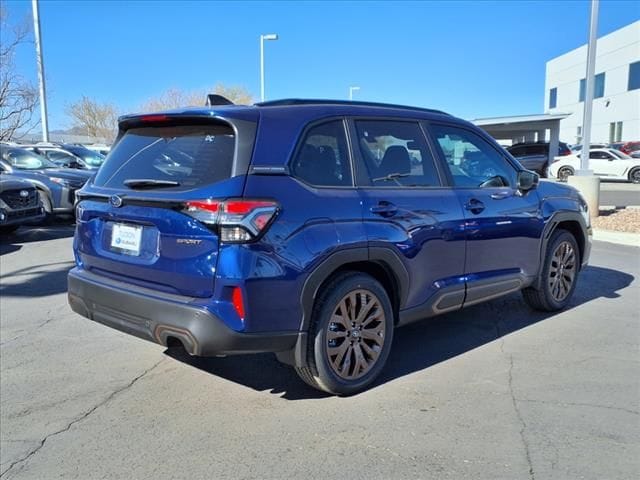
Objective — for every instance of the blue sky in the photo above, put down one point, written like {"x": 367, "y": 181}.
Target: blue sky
{"x": 472, "y": 59}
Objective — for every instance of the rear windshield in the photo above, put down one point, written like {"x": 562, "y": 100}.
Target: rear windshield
{"x": 92, "y": 158}
{"x": 191, "y": 156}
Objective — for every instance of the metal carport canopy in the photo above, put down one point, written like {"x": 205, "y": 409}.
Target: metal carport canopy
{"x": 528, "y": 128}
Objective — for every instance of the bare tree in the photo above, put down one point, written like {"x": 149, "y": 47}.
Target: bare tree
{"x": 176, "y": 98}
{"x": 93, "y": 118}
{"x": 18, "y": 97}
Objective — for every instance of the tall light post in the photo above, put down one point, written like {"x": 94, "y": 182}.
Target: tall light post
{"x": 269, "y": 36}
{"x": 589, "y": 87}
{"x": 584, "y": 180}
{"x": 351, "y": 90}
{"x": 43, "y": 94}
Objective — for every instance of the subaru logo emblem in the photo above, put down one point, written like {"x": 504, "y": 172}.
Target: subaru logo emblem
{"x": 115, "y": 201}
{"x": 24, "y": 193}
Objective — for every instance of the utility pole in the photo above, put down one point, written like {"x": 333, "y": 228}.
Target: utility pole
{"x": 43, "y": 94}
{"x": 584, "y": 179}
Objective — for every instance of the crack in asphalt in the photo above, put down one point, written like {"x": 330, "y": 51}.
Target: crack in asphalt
{"x": 48, "y": 318}
{"x": 575, "y": 404}
{"x": 78, "y": 419}
{"x": 514, "y": 400}
{"x": 523, "y": 424}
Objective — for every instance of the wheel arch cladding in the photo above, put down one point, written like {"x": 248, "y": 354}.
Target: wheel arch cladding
{"x": 381, "y": 263}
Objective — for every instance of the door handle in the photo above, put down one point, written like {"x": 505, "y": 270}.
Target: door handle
{"x": 474, "y": 205}
{"x": 501, "y": 195}
{"x": 384, "y": 209}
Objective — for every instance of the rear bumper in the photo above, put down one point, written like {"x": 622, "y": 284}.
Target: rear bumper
{"x": 146, "y": 314}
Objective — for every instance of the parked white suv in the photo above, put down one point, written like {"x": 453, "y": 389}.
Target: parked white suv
{"x": 605, "y": 162}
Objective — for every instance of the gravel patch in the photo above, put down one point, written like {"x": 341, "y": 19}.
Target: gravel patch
{"x": 618, "y": 220}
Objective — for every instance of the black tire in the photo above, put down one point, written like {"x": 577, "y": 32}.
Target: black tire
{"x": 47, "y": 206}
{"x": 634, "y": 175}
{"x": 322, "y": 372}
{"x": 7, "y": 229}
{"x": 545, "y": 298}
{"x": 564, "y": 173}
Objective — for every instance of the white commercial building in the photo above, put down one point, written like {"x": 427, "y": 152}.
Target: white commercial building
{"x": 616, "y": 105}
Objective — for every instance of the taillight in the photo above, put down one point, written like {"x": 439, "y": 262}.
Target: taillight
{"x": 237, "y": 221}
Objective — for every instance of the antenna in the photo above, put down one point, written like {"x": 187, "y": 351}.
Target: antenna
{"x": 215, "y": 99}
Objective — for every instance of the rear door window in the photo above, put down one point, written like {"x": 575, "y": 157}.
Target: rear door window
{"x": 184, "y": 157}
{"x": 323, "y": 158}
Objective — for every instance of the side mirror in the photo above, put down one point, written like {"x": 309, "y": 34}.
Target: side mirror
{"x": 527, "y": 180}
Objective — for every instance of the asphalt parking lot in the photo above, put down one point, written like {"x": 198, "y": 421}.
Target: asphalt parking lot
{"x": 493, "y": 392}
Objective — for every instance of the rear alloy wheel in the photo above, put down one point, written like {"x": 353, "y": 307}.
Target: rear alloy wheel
{"x": 564, "y": 173}
{"x": 350, "y": 336}
{"x": 559, "y": 274}
{"x": 634, "y": 175}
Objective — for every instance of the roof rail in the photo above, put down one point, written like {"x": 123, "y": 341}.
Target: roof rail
{"x": 215, "y": 99}
{"x": 302, "y": 101}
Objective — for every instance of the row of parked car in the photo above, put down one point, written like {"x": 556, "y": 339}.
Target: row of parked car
{"x": 39, "y": 181}
{"x": 616, "y": 161}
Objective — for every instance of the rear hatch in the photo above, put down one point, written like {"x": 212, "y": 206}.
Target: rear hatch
{"x": 132, "y": 221}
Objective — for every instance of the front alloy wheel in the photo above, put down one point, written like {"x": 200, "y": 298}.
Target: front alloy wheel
{"x": 559, "y": 274}
{"x": 564, "y": 173}
{"x": 562, "y": 271}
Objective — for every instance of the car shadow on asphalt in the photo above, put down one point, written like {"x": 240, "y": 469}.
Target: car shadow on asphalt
{"x": 35, "y": 280}
{"x": 59, "y": 228}
{"x": 418, "y": 346}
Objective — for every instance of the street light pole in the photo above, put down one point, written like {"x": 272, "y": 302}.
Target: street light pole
{"x": 43, "y": 94}
{"x": 584, "y": 179}
{"x": 589, "y": 87}
{"x": 270, "y": 36}
{"x": 351, "y": 90}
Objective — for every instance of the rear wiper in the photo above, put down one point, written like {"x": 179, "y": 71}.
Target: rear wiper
{"x": 392, "y": 177}
{"x": 150, "y": 183}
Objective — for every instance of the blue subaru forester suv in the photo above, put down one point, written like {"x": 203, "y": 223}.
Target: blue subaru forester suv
{"x": 312, "y": 229}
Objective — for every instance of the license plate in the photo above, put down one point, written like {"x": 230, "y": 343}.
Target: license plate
{"x": 126, "y": 238}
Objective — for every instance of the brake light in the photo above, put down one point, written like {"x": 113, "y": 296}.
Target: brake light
{"x": 238, "y": 221}
{"x": 153, "y": 118}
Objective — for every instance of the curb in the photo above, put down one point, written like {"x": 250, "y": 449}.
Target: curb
{"x": 621, "y": 238}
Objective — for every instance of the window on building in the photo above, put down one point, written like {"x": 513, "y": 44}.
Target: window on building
{"x": 598, "y": 89}
{"x": 618, "y": 131}
{"x": 612, "y": 132}
{"x": 578, "y": 134}
{"x": 634, "y": 76}
{"x": 553, "y": 97}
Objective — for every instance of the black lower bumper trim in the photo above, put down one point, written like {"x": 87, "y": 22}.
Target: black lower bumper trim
{"x": 137, "y": 311}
